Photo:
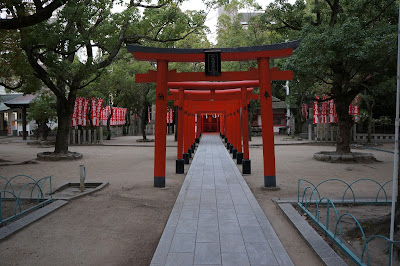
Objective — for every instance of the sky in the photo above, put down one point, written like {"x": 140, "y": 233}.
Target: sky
{"x": 212, "y": 16}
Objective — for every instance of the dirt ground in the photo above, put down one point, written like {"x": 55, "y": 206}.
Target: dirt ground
{"x": 122, "y": 224}
{"x": 374, "y": 220}
{"x": 294, "y": 162}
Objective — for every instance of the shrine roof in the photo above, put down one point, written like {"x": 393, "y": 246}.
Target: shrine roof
{"x": 21, "y": 101}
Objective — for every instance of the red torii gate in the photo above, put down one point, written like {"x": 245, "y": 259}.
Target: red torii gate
{"x": 264, "y": 74}
{"x": 215, "y": 101}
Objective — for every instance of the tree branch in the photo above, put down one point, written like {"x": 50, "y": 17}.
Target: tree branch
{"x": 41, "y": 14}
{"x": 323, "y": 80}
{"x": 329, "y": 3}
{"x": 288, "y": 25}
{"x": 114, "y": 52}
{"x": 133, "y": 4}
{"x": 318, "y": 13}
{"x": 378, "y": 16}
{"x": 19, "y": 85}
{"x": 136, "y": 38}
{"x": 90, "y": 81}
{"x": 335, "y": 11}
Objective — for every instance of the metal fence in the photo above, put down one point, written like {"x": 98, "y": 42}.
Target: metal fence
{"x": 310, "y": 195}
{"x": 22, "y": 194}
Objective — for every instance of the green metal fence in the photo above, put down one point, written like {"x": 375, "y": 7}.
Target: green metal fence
{"x": 22, "y": 194}
{"x": 310, "y": 195}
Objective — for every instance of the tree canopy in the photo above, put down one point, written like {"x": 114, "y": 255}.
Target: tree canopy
{"x": 72, "y": 51}
{"x": 346, "y": 47}
{"x": 28, "y": 13}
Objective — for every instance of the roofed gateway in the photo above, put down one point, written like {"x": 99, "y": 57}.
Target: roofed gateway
{"x": 208, "y": 97}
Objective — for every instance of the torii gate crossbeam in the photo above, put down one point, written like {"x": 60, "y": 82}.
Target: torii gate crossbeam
{"x": 264, "y": 74}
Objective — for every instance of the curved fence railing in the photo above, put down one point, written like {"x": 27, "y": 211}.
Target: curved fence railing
{"x": 309, "y": 197}
{"x": 21, "y": 194}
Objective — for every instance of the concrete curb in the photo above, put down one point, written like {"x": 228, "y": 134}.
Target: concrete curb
{"x": 13, "y": 227}
{"x": 99, "y": 186}
{"x": 326, "y": 254}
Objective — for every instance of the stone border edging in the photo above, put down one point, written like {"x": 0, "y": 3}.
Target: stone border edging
{"x": 99, "y": 187}
{"x": 51, "y": 156}
{"x": 17, "y": 225}
{"x": 333, "y": 157}
{"x": 325, "y": 253}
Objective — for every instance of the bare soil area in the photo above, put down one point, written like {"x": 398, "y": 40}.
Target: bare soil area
{"x": 122, "y": 224}
{"x": 374, "y": 220}
{"x": 296, "y": 161}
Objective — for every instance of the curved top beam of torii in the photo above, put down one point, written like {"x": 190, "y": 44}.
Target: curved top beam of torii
{"x": 278, "y": 50}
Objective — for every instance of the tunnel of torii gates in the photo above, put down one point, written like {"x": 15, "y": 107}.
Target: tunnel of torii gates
{"x": 213, "y": 92}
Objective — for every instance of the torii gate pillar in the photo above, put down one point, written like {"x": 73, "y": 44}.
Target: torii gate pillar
{"x": 180, "y": 162}
{"x": 267, "y": 122}
{"x": 246, "y": 162}
{"x": 160, "y": 141}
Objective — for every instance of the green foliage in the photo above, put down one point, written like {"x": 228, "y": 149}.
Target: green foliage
{"x": 43, "y": 108}
{"x": 15, "y": 71}
{"x": 347, "y": 47}
{"x": 384, "y": 120}
{"x": 344, "y": 47}
{"x": 118, "y": 80}
{"x": 73, "y": 50}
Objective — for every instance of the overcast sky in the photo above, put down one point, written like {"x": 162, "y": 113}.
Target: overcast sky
{"x": 212, "y": 16}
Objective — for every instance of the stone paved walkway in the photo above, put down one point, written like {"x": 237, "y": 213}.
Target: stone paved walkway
{"x": 216, "y": 220}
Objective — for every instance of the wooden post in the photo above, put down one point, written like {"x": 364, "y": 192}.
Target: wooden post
{"x": 73, "y": 136}
{"x": 84, "y": 136}
{"x": 234, "y": 133}
{"x": 24, "y": 123}
{"x": 179, "y": 168}
{"x": 200, "y": 124}
{"x": 160, "y": 141}
{"x": 239, "y": 130}
{"x": 94, "y": 136}
{"x": 267, "y": 122}
{"x": 79, "y": 136}
{"x": 222, "y": 124}
{"x": 185, "y": 134}
{"x": 101, "y": 135}
{"x": 180, "y": 124}
{"x": 245, "y": 131}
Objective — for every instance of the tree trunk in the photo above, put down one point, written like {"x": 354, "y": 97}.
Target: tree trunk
{"x": 397, "y": 205}
{"x": 345, "y": 123}
{"x": 144, "y": 121}
{"x": 370, "y": 107}
{"x": 46, "y": 131}
{"x": 369, "y": 131}
{"x": 43, "y": 130}
{"x": 108, "y": 124}
{"x": 65, "y": 109}
{"x": 299, "y": 121}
